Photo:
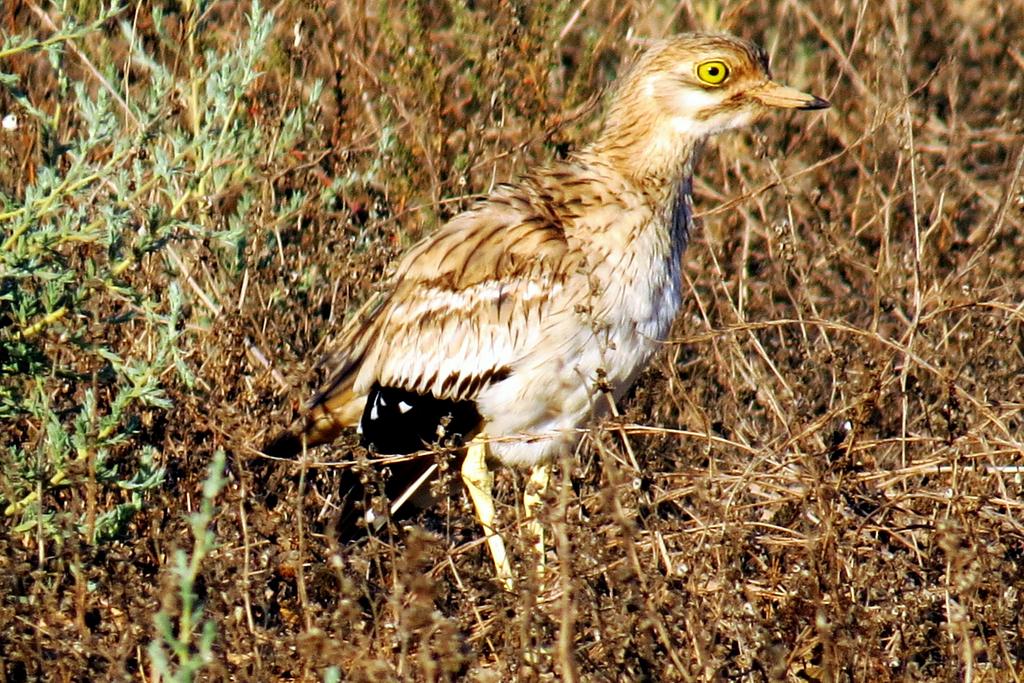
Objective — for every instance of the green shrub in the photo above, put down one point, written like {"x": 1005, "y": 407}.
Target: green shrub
{"x": 97, "y": 254}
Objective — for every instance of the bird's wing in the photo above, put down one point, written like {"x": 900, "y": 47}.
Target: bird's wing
{"x": 468, "y": 303}
{"x": 464, "y": 305}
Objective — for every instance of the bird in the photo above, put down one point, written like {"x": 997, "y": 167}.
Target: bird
{"x": 511, "y": 326}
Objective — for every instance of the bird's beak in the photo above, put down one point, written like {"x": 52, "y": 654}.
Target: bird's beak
{"x": 772, "y": 94}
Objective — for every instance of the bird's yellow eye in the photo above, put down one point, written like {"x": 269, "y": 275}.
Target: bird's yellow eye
{"x": 713, "y": 72}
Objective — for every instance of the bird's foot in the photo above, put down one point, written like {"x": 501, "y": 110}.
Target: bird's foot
{"x": 479, "y": 481}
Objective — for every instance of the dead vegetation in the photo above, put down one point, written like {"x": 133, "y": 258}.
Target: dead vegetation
{"x": 818, "y": 480}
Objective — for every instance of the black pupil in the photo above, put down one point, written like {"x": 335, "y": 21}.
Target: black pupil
{"x": 712, "y": 71}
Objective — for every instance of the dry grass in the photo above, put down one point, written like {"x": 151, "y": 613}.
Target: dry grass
{"x": 819, "y": 479}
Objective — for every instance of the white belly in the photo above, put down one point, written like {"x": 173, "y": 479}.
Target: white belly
{"x": 541, "y": 408}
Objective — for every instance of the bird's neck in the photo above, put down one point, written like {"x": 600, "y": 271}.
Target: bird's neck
{"x": 648, "y": 150}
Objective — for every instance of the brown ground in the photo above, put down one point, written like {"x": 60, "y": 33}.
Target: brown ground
{"x": 825, "y": 489}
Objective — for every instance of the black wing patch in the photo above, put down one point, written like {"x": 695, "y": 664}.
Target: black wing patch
{"x": 397, "y": 421}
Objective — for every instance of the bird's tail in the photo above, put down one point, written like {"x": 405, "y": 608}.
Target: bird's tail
{"x": 321, "y": 424}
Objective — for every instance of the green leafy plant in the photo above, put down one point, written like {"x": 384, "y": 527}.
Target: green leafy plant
{"x": 97, "y": 254}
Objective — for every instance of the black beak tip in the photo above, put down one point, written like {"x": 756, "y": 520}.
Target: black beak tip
{"x": 817, "y": 103}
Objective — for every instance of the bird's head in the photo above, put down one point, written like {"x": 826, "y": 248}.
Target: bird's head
{"x": 705, "y": 84}
{"x": 685, "y": 88}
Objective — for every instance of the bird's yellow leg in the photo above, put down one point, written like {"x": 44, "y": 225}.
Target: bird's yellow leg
{"x": 479, "y": 480}
{"x": 535, "y": 488}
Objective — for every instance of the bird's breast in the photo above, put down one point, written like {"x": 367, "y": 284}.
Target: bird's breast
{"x": 641, "y": 305}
